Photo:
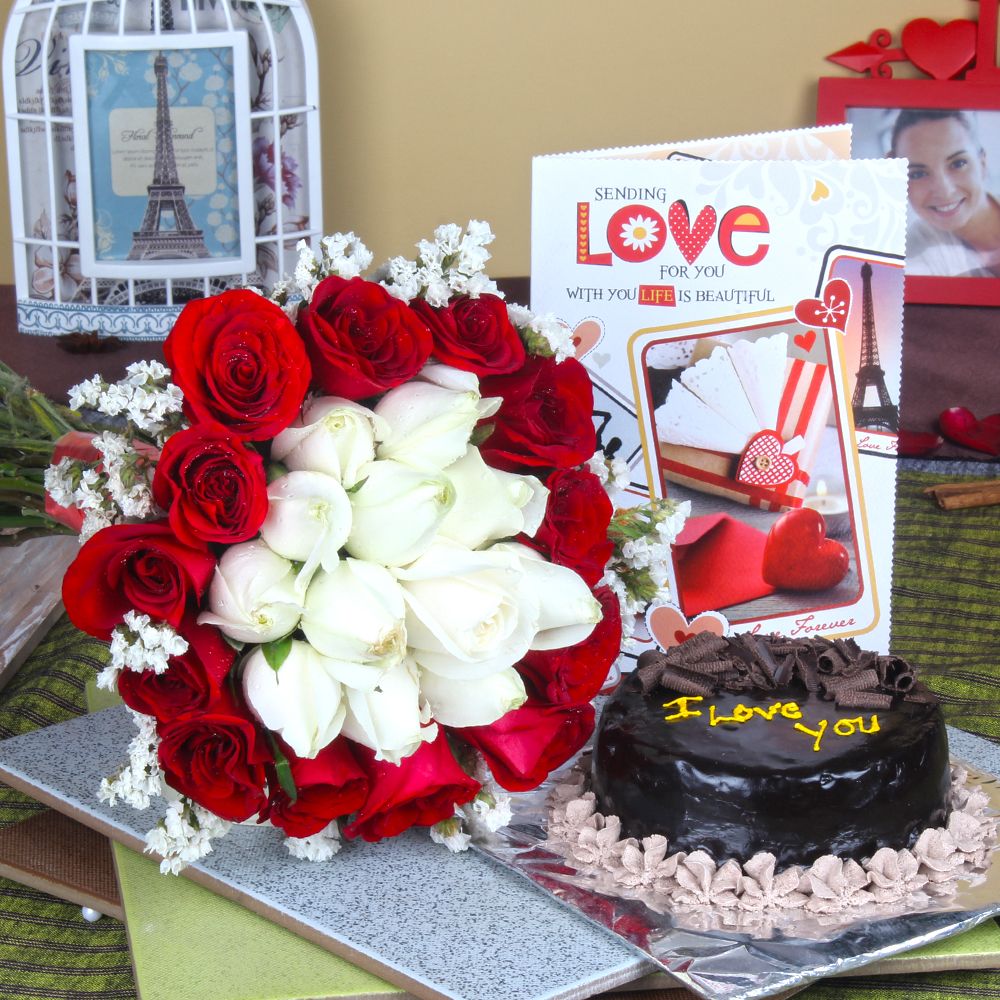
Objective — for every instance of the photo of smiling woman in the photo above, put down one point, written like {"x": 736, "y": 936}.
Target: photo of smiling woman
{"x": 954, "y": 226}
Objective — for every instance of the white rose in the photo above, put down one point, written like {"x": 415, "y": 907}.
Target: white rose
{"x": 396, "y": 512}
{"x": 467, "y": 614}
{"x": 490, "y": 504}
{"x": 253, "y": 596}
{"x": 430, "y": 425}
{"x": 308, "y": 519}
{"x": 355, "y": 614}
{"x": 333, "y": 435}
{"x": 302, "y": 700}
{"x": 390, "y": 719}
{"x": 567, "y": 610}
{"x": 479, "y": 702}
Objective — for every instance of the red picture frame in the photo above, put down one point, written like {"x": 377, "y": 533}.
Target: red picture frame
{"x": 838, "y": 97}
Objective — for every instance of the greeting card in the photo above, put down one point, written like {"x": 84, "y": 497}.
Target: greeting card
{"x": 738, "y": 304}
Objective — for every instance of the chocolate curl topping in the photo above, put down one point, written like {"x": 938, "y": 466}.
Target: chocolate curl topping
{"x": 831, "y": 661}
{"x": 863, "y": 699}
{"x": 707, "y": 663}
{"x": 687, "y": 683}
{"x": 698, "y": 647}
{"x": 863, "y": 680}
{"x": 649, "y": 669}
{"x": 895, "y": 674}
{"x": 765, "y": 660}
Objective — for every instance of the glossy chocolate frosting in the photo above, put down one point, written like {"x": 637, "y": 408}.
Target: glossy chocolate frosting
{"x": 734, "y": 789}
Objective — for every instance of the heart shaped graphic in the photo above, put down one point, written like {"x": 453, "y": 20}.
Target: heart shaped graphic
{"x": 763, "y": 464}
{"x": 940, "y": 50}
{"x": 799, "y": 556}
{"x": 805, "y": 340}
{"x": 912, "y": 444}
{"x": 691, "y": 240}
{"x": 602, "y": 359}
{"x": 820, "y": 191}
{"x": 830, "y": 311}
{"x": 587, "y": 334}
{"x": 668, "y": 626}
{"x": 960, "y": 425}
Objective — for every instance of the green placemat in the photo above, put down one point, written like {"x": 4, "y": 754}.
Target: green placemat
{"x": 946, "y": 600}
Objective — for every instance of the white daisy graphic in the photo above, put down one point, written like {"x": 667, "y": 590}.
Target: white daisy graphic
{"x": 639, "y": 233}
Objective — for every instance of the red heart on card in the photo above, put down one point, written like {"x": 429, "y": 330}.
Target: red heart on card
{"x": 805, "y": 340}
{"x": 831, "y": 310}
{"x": 763, "y": 464}
{"x": 940, "y": 50}
{"x": 912, "y": 444}
{"x": 691, "y": 240}
{"x": 960, "y": 425}
{"x": 669, "y": 627}
{"x": 799, "y": 556}
{"x": 586, "y": 336}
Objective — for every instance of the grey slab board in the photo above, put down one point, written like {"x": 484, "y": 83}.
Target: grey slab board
{"x": 457, "y": 926}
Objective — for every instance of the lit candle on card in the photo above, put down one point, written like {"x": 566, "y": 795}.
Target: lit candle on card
{"x": 833, "y": 507}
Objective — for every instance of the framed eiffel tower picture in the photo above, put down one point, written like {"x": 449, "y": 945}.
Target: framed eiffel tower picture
{"x": 164, "y": 180}
{"x": 157, "y": 151}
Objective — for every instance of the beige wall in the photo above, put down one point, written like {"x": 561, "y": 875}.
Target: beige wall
{"x": 432, "y": 110}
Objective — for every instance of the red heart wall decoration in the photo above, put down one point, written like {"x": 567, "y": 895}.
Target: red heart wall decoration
{"x": 669, "y": 627}
{"x": 831, "y": 310}
{"x": 691, "y": 240}
{"x": 763, "y": 464}
{"x": 940, "y": 50}
{"x": 799, "y": 556}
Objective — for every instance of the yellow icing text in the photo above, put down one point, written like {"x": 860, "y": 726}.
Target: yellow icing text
{"x": 848, "y": 727}
{"x": 818, "y": 733}
{"x": 744, "y": 713}
{"x": 842, "y": 727}
{"x": 682, "y": 708}
{"x": 683, "y": 712}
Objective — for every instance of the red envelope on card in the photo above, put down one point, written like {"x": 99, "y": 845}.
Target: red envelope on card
{"x": 718, "y": 561}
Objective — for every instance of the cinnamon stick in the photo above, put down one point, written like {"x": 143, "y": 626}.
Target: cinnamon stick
{"x": 959, "y": 496}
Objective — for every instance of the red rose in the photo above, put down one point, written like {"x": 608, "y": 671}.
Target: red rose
{"x": 421, "y": 790}
{"x": 360, "y": 339}
{"x": 545, "y": 420}
{"x": 212, "y": 486}
{"x": 330, "y": 785}
{"x": 216, "y": 758}
{"x": 134, "y": 566}
{"x": 192, "y": 680}
{"x": 523, "y": 746}
{"x": 573, "y": 675}
{"x": 474, "y": 335}
{"x": 574, "y": 532}
{"x": 239, "y": 362}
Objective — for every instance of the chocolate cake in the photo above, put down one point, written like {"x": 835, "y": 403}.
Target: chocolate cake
{"x": 800, "y": 748}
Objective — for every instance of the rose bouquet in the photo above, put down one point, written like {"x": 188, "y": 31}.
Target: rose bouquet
{"x": 353, "y": 553}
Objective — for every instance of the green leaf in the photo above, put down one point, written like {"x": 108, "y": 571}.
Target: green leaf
{"x": 275, "y": 470}
{"x": 283, "y": 769}
{"x": 235, "y": 643}
{"x": 276, "y": 652}
{"x": 357, "y": 486}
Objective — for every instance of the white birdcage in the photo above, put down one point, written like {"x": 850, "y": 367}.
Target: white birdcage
{"x": 159, "y": 151}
